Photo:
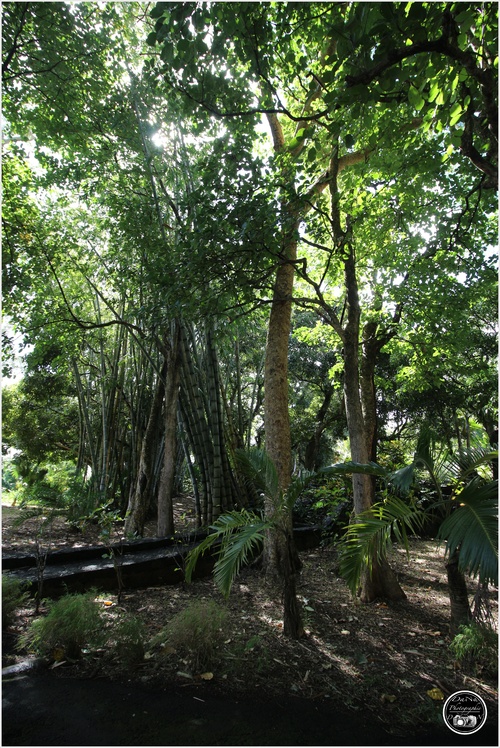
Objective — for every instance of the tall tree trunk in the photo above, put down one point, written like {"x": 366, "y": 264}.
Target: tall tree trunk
{"x": 280, "y": 555}
{"x": 140, "y": 496}
{"x": 165, "y": 503}
{"x": 311, "y": 455}
{"x": 363, "y": 488}
{"x": 459, "y": 598}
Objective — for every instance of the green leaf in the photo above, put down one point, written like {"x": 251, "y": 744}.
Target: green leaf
{"x": 158, "y": 10}
{"x": 472, "y": 530}
{"x": 415, "y": 98}
{"x": 237, "y": 547}
{"x": 370, "y": 536}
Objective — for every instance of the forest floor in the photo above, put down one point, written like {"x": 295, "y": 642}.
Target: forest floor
{"x": 390, "y": 662}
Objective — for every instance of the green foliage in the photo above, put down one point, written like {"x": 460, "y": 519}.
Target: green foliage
{"x": 128, "y": 639}
{"x": 471, "y": 529}
{"x": 13, "y": 598}
{"x": 196, "y": 632}
{"x": 240, "y": 534}
{"x": 53, "y": 485}
{"x": 371, "y": 535}
{"x": 476, "y": 645}
{"x": 72, "y": 622}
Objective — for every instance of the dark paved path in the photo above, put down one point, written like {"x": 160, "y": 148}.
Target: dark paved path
{"x": 40, "y": 709}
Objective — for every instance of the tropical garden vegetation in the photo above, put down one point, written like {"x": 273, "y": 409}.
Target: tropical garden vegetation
{"x": 249, "y": 248}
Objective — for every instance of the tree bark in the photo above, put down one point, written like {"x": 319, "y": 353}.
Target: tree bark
{"x": 165, "y": 525}
{"x": 311, "y": 456}
{"x": 459, "y": 598}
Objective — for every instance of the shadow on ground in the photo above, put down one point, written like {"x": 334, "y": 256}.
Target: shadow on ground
{"x": 40, "y": 709}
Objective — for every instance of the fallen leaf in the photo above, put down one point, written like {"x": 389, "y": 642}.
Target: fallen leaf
{"x": 436, "y": 694}
{"x": 387, "y": 698}
{"x": 206, "y": 676}
{"x": 345, "y": 632}
{"x": 58, "y": 654}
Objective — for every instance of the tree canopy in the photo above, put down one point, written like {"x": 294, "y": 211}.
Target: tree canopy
{"x": 236, "y": 224}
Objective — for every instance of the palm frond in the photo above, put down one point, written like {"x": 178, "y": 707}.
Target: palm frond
{"x": 193, "y": 555}
{"x": 227, "y": 529}
{"x": 472, "y": 530}
{"x": 258, "y": 468}
{"x": 235, "y": 551}
{"x": 462, "y": 466}
{"x": 297, "y": 486}
{"x": 403, "y": 479}
{"x": 370, "y": 536}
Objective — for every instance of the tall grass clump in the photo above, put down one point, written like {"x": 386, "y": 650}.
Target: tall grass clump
{"x": 196, "y": 632}
{"x": 72, "y": 623}
{"x": 13, "y": 597}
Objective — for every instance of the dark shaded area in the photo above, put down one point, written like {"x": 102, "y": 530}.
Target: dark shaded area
{"x": 42, "y": 709}
{"x": 145, "y": 562}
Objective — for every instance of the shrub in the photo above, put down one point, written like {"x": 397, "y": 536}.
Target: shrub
{"x": 477, "y": 645}
{"x": 12, "y": 598}
{"x": 71, "y": 623}
{"x": 195, "y": 632}
{"x": 128, "y": 638}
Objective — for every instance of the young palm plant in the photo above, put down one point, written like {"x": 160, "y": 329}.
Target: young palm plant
{"x": 240, "y": 534}
{"x": 469, "y": 523}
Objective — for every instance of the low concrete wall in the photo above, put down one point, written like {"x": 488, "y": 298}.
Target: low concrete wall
{"x": 143, "y": 563}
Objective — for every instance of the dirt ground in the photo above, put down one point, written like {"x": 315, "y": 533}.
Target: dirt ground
{"x": 385, "y": 662}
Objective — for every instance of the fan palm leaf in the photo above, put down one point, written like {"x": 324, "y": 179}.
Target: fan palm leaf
{"x": 464, "y": 465}
{"x": 472, "y": 530}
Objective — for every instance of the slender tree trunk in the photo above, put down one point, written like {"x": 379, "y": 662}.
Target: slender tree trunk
{"x": 311, "y": 456}
{"x": 276, "y": 415}
{"x": 459, "y": 598}
{"x": 165, "y": 503}
{"x": 363, "y": 488}
{"x": 370, "y": 349}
